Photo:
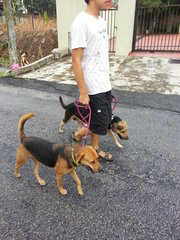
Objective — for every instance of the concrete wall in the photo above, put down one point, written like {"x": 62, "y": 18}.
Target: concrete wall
{"x": 125, "y": 26}
{"x": 66, "y": 11}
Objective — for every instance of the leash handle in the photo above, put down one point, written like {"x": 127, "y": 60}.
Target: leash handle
{"x": 115, "y": 104}
{"x": 84, "y": 121}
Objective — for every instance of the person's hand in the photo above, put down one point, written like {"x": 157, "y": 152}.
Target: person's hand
{"x": 84, "y": 98}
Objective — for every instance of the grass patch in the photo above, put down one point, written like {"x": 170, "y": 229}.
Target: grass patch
{"x": 4, "y": 61}
{"x": 1, "y": 74}
{"x": 8, "y": 75}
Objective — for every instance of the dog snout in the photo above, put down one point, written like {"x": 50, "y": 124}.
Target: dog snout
{"x": 100, "y": 168}
{"x": 97, "y": 168}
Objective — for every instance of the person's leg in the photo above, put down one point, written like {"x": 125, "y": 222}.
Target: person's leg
{"x": 94, "y": 141}
{"x": 99, "y": 121}
{"x": 81, "y": 133}
{"x": 95, "y": 144}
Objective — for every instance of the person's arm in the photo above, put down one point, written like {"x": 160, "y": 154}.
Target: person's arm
{"x": 77, "y": 55}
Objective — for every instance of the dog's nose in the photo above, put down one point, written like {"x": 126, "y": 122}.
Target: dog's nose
{"x": 100, "y": 169}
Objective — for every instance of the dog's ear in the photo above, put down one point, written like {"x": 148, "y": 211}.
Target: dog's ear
{"x": 79, "y": 156}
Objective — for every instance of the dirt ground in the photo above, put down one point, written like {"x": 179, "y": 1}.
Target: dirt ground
{"x": 35, "y": 44}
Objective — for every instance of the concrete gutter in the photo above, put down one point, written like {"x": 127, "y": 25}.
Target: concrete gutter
{"x": 55, "y": 55}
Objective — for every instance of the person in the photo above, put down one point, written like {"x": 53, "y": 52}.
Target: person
{"x": 90, "y": 61}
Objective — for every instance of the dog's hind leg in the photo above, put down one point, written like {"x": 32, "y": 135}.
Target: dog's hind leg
{"x": 77, "y": 180}
{"x": 79, "y": 124}
{"x": 65, "y": 119}
{"x": 61, "y": 126}
{"x": 59, "y": 184}
{"x": 21, "y": 157}
{"x": 41, "y": 181}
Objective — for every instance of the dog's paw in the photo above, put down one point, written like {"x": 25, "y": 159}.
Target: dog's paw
{"x": 119, "y": 145}
{"x": 63, "y": 191}
{"x": 18, "y": 175}
{"x": 60, "y": 131}
{"x": 42, "y": 182}
{"x": 80, "y": 191}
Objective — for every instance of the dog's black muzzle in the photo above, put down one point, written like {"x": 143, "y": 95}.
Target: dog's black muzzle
{"x": 122, "y": 137}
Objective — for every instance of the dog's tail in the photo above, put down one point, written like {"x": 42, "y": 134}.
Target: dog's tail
{"x": 21, "y": 124}
{"x": 62, "y": 103}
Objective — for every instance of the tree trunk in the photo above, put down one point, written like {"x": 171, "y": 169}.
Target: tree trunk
{"x": 13, "y": 57}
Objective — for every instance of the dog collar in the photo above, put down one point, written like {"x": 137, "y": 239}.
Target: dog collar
{"x": 73, "y": 158}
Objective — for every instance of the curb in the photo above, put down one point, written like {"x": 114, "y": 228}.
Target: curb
{"x": 56, "y": 54}
{"x": 132, "y": 99}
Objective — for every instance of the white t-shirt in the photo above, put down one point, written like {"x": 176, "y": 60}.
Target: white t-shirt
{"x": 90, "y": 33}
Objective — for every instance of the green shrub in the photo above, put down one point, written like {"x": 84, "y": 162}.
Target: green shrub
{"x": 4, "y": 61}
{"x": 46, "y": 17}
{"x": 1, "y": 74}
{"x": 4, "y": 45}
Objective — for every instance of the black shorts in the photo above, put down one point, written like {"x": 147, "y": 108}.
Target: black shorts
{"x": 101, "y": 112}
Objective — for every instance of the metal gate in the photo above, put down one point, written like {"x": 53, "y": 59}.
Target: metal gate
{"x": 110, "y": 16}
{"x": 157, "y": 28}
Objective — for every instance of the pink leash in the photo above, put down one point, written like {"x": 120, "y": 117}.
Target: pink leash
{"x": 115, "y": 99}
{"x": 85, "y": 123}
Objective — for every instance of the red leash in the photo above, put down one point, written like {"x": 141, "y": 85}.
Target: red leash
{"x": 85, "y": 123}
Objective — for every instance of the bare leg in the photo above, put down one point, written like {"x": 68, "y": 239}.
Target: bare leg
{"x": 81, "y": 133}
{"x": 95, "y": 144}
{"x": 94, "y": 141}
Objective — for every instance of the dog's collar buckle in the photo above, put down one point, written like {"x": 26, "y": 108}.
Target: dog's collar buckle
{"x": 73, "y": 158}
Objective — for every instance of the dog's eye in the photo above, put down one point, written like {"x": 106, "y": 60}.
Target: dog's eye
{"x": 92, "y": 161}
{"x": 120, "y": 128}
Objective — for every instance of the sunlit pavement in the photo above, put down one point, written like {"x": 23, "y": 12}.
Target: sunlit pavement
{"x": 134, "y": 73}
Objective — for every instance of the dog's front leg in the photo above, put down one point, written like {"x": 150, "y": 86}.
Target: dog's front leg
{"x": 77, "y": 180}
{"x": 59, "y": 184}
{"x": 114, "y": 138}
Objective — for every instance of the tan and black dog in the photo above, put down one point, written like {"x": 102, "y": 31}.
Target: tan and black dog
{"x": 117, "y": 125}
{"x": 63, "y": 159}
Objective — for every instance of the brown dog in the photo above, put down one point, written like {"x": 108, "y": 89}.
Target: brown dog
{"x": 63, "y": 159}
{"x": 117, "y": 125}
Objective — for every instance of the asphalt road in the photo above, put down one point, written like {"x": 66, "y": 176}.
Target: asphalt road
{"x": 137, "y": 196}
